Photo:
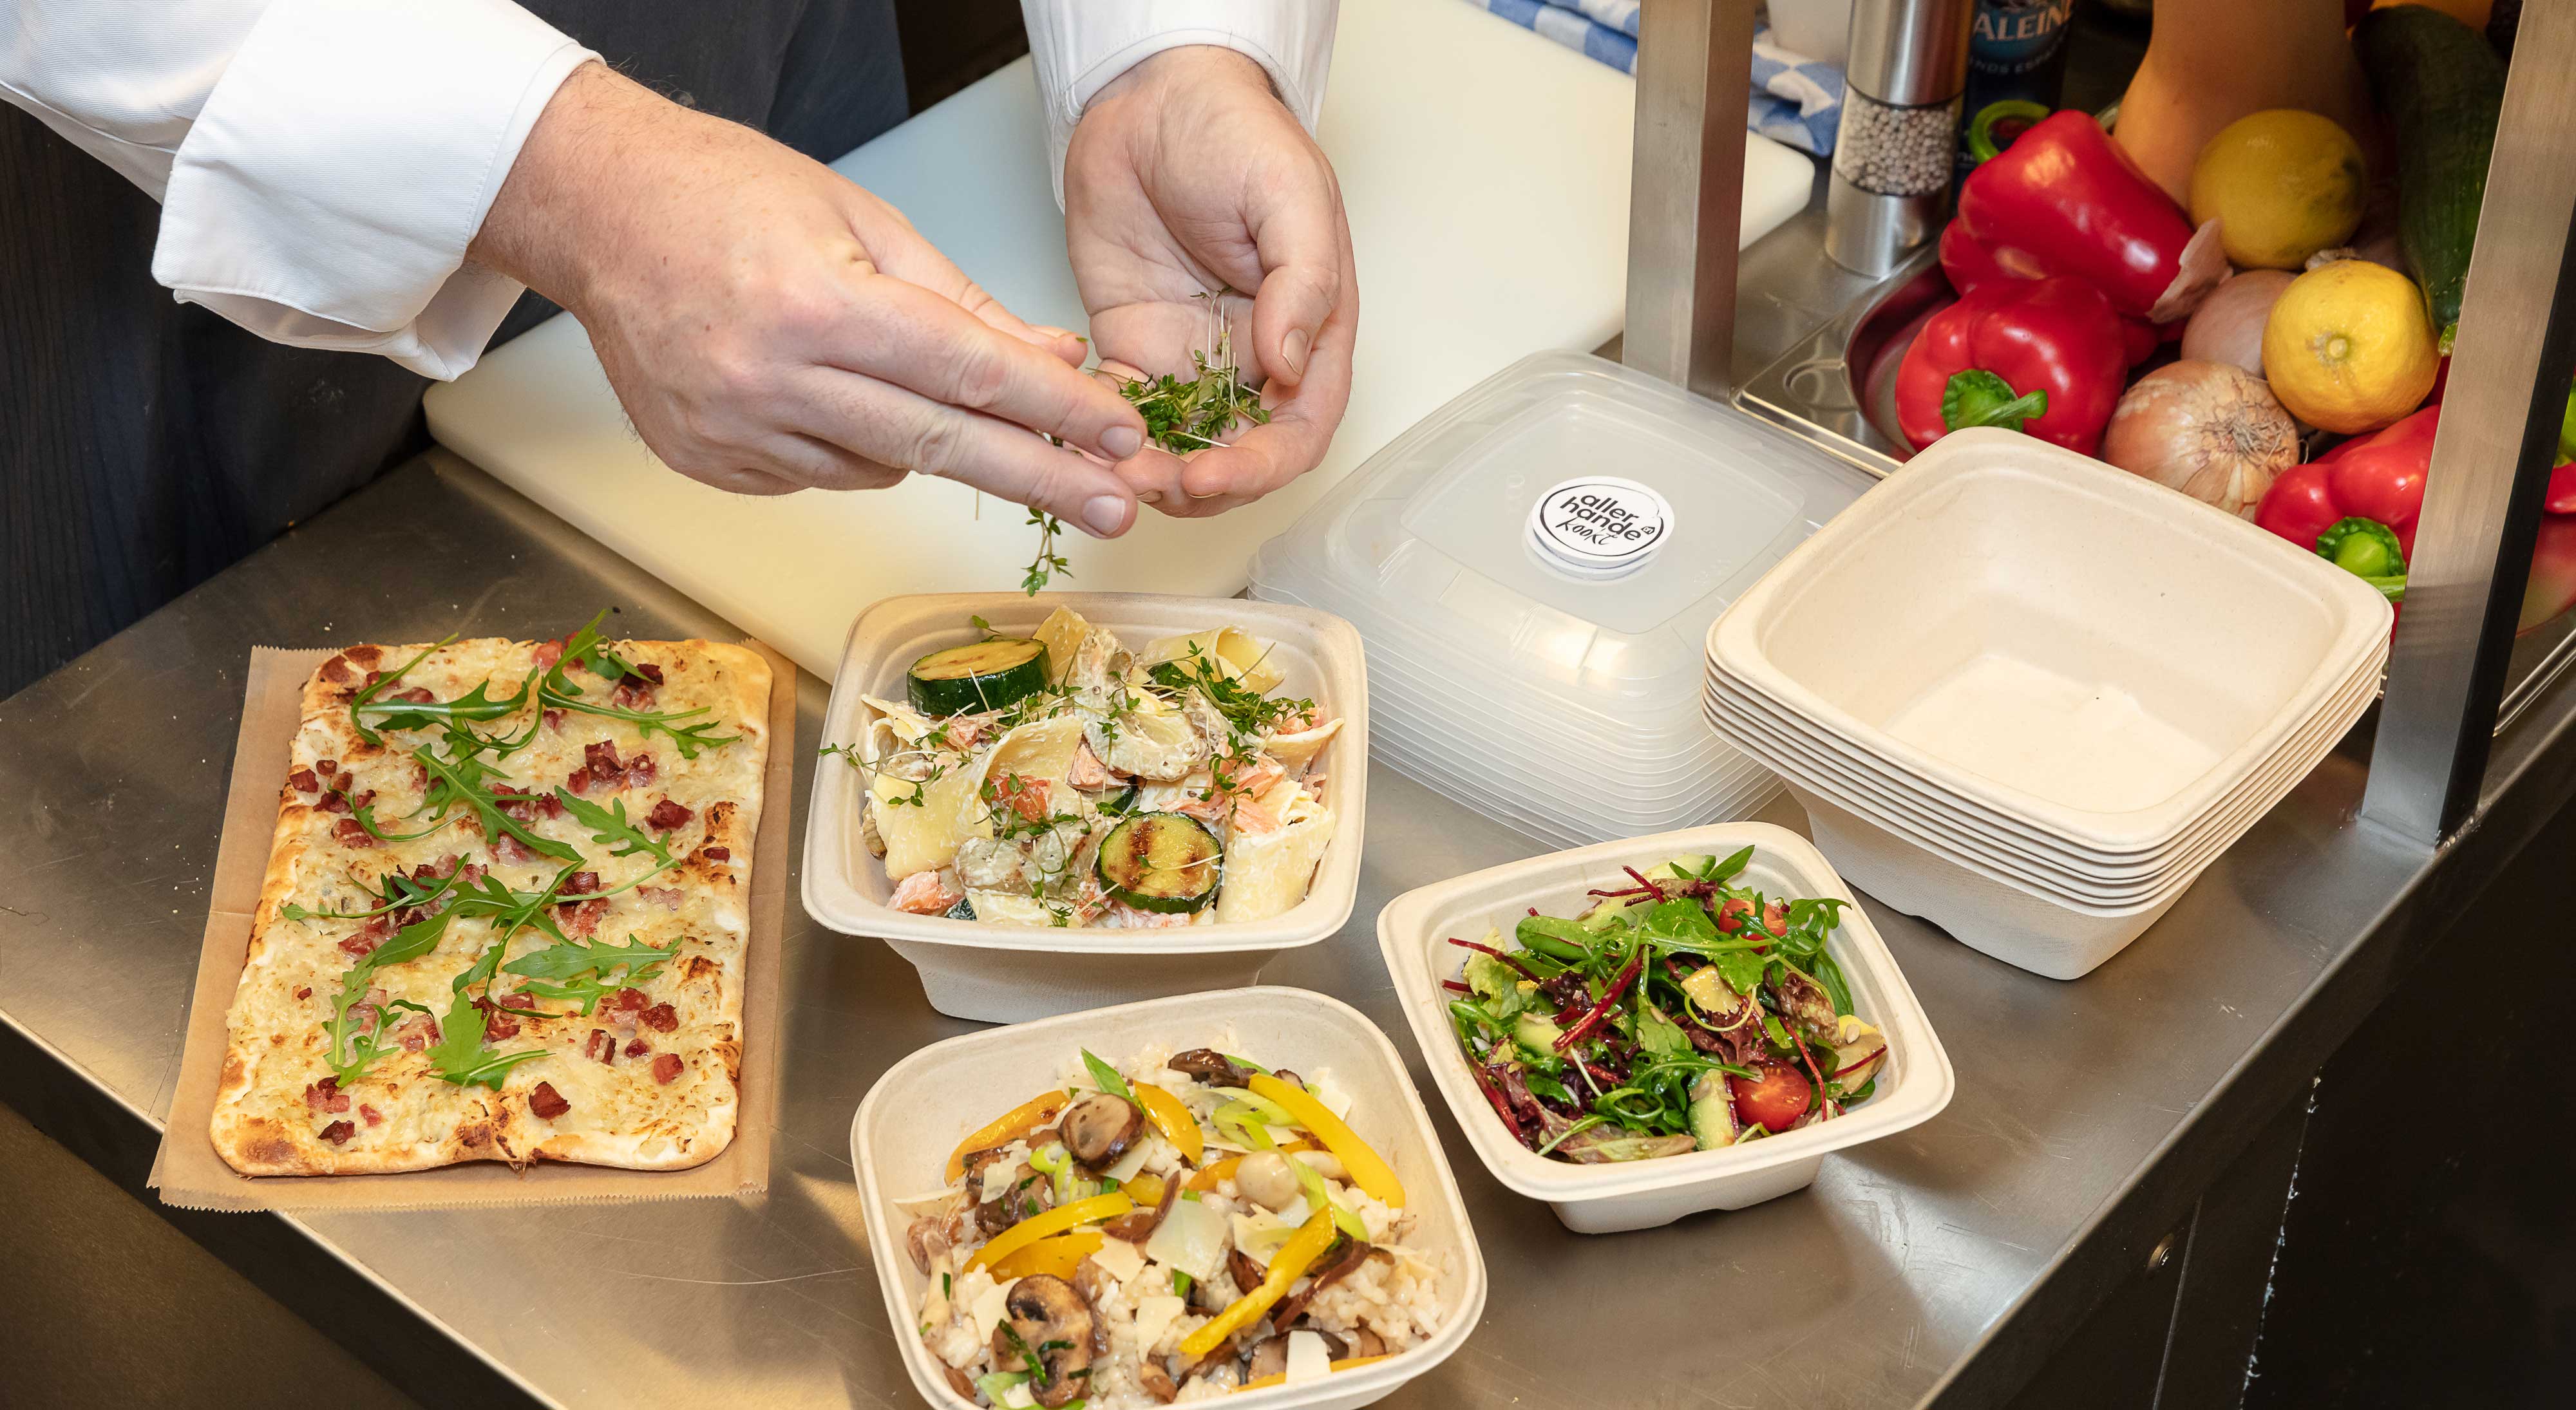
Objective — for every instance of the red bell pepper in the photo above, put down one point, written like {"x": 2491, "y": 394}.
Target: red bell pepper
{"x": 2063, "y": 199}
{"x": 2357, "y": 505}
{"x": 2040, "y": 356}
{"x": 1971, "y": 267}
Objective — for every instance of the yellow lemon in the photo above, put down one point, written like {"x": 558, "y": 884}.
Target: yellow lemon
{"x": 2282, "y": 184}
{"x": 2349, "y": 348}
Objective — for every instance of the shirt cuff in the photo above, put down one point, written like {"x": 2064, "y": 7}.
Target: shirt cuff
{"x": 327, "y": 191}
{"x": 1081, "y": 46}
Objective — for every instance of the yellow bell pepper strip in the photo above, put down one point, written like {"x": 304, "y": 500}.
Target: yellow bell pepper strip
{"x": 1173, "y": 1120}
{"x": 1208, "y": 1178}
{"x": 1059, "y": 1255}
{"x": 1366, "y": 1170}
{"x": 1009, "y": 1126}
{"x": 1286, "y": 1266}
{"x": 1280, "y": 1378}
{"x": 1054, "y": 1221}
{"x": 1146, "y": 1190}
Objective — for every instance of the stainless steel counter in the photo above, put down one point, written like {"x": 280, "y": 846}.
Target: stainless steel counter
{"x": 2090, "y": 1116}
{"x": 2118, "y": 1145}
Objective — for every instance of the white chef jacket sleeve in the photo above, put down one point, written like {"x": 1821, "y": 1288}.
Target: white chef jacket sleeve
{"x": 1081, "y": 45}
{"x": 322, "y": 164}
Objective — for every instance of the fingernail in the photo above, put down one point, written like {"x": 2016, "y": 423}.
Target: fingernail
{"x": 1104, "y": 513}
{"x": 1122, "y": 441}
{"x": 1293, "y": 347}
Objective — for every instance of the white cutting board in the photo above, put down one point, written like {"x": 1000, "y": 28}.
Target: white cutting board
{"x": 1486, "y": 173}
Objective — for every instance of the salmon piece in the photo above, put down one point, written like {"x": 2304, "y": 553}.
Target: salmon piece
{"x": 1087, "y": 771}
{"x": 926, "y": 893}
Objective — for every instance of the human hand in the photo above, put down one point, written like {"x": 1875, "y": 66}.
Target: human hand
{"x": 1187, "y": 175}
{"x": 769, "y": 326}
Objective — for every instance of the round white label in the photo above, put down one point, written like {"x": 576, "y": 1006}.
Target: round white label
{"x": 1600, "y": 522}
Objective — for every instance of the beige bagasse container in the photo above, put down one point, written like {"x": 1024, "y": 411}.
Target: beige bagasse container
{"x": 1414, "y": 933}
{"x": 2029, "y": 697}
{"x": 1010, "y": 974}
{"x": 923, "y": 1106}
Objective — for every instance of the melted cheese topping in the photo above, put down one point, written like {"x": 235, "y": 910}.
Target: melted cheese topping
{"x": 698, "y": 912}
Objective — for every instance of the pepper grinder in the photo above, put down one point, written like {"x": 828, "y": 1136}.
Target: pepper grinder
{"x": 1900, "y": 129}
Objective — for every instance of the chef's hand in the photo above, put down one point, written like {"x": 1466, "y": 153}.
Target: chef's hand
{"x": 770, "y": 326}
{"x": 1186, "y": 175}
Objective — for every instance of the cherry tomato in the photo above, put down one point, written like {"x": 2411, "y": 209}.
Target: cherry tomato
{"x": 1774, "y": 1097}
{"x": 1730, "y": 917}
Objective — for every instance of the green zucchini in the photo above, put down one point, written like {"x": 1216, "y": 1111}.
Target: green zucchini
{"x": 1162, "y": 862}
{"x": 987, "y": 675}
{"x": 2440, "y": 85}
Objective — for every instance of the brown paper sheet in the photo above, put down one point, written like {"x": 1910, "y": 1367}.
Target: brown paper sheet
{"x": 189, "y": 1174}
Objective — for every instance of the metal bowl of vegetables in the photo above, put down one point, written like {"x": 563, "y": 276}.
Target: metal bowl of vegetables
{"x": 1639, "y": 1030}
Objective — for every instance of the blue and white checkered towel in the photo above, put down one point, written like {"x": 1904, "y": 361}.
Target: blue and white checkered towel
{"x": 1796, "y": 101}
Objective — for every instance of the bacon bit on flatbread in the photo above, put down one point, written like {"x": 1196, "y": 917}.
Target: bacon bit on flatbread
{"x": 546, "y": 1102}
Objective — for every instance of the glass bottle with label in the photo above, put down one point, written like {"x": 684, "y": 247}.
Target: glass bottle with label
{"x": 2016, "y": 69}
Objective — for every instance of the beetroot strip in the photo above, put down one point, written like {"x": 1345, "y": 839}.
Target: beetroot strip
{"x": 1517, "y": 967}
{"x": 1609, "y": 1000}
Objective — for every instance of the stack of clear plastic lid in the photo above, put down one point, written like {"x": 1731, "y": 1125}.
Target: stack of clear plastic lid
{"x": 1533, "y": 570}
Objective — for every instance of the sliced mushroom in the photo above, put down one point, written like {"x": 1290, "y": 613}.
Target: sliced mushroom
{"x": 1101, "y": 1128}
{"x": 1138, "y": 1226}
{"x": 1292, "y": 1079}
{"x": 1247, "y": 1274}
{"x": 1342, "y": 1261}
{"x": 1367, "y": 1343}
{"x": 1029, "y": 1193}
{"x": 957, "y": 1380}
{"x": 1093, "y": 1281}
{"x": 1205, "y": 1296}
{"x": 1209, "y": 1066}
{"x": 1264, "y": 1178}
{"x": 924, "y": 1242}
{"x": 1268, "y": 1359}
{"x": 1157, "y": 1381}
{"x": 1045, "y": 1317}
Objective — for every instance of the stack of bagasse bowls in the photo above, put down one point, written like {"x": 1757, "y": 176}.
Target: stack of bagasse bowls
{"x": 2030, "y": 697}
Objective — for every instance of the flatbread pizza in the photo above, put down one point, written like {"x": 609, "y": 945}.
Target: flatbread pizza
{"x": 505, "y": 912}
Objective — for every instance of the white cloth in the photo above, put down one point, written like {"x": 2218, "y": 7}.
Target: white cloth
{"x": 322, "y": 164}
{"x": 1081, "y": 45}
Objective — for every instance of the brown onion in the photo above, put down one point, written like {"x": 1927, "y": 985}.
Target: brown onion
{"x": 2209, "y": 429}
{"x": 2228, "y": 326}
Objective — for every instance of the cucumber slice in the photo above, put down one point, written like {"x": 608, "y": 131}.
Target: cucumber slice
{"x": 1162, "y": 862}
{"x": 986, "y": 675}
